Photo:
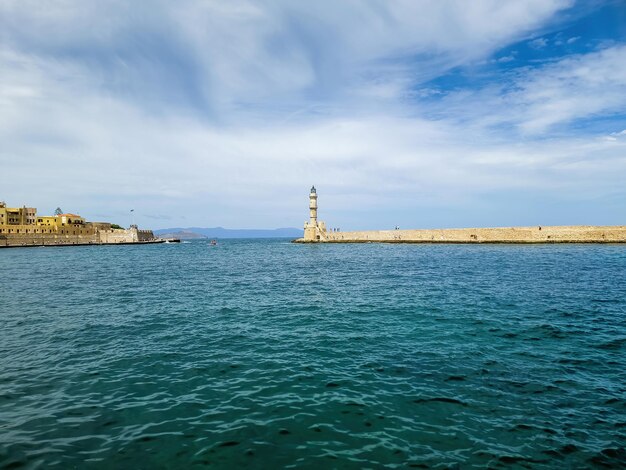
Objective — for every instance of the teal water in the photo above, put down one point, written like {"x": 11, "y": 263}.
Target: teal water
{"x": 266, "y": 354}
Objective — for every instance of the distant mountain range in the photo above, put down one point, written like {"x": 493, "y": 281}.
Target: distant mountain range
{"x": 220, "y": 232}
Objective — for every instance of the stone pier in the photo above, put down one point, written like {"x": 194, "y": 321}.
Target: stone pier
{"x": 551, "y": 234}
{"x": 316, "y": 232}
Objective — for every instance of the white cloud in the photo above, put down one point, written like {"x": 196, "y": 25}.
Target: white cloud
{"x": 538, "y": 43}
{"x": 289, "y": 94}
{"x": 105, "y": 155}
{"x": 229, "y": 54}
{"x": 505, "y": 59}
{"x": 573, "y": 88}
{"x": 536, "y": 101}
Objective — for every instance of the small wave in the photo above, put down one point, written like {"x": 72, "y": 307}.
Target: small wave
{"x": 612, "y": 345}
{"x": 449, "y": 400}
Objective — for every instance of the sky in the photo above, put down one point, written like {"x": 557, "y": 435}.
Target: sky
{"x": 409, "y": 113}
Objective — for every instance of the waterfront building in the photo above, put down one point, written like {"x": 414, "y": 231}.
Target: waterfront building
{"x": 22, "y": 227}
{"x": 17, "y": 216}
{"x": 61, "y": 220}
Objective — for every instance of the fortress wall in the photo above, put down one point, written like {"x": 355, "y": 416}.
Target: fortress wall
{"x": 554, "y": 234}
{"x": 145, "y": 235}
{"x": 115, "y": 236}
{"x": 47, "y": 239}
{"x": 51, "y": 239}
{"x": 125, "y": 236}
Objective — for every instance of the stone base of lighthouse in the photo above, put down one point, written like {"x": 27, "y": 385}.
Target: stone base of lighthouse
{"x": 314, "y": 232}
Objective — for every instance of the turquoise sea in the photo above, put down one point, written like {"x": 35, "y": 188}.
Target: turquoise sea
{"x": 267, "y": 354}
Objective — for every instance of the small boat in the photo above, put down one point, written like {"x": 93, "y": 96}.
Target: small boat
{"x": 213, "y": 242}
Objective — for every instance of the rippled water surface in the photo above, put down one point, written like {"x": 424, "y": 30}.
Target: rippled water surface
{"x": 267, "y": 354}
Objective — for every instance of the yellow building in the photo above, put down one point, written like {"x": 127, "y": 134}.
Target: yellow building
{"x": 62, "y": 220}
{"x": 24, "y": 221}
{"x": 17, "y": 216}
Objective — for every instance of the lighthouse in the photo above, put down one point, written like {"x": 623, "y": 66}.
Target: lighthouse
{"x": 314, "y": 230}
{"x": 313, "y": 206}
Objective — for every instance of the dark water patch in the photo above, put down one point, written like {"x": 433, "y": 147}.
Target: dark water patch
{"x": 552, "y": 331}
{"x": 516, "y": 459}
{"x": 456, "y": 378}
{"x": 14, "y": 464}
{"x": 611, "y": 457}
{"x": 577, "y": 362}
{"x": 564, "y": 381}
{"x": 522, "y": 427}
{"x": 607, "y": 301}
{"x": 516, "y": 384}
{"x": 612, "y": 345}
{"x": 229, "y": 444}
{"x": 552, "y": 453}
{"x": 453, "y": 401}
{"x": 569, "y": 449}
{"x": 615, "y": 401}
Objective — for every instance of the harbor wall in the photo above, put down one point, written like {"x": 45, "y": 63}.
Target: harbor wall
{"x": 550, "y": 234}
{"x": 94, "y": 237}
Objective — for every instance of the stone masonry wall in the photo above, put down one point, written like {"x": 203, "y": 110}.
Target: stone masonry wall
{"x": 112, "y": 236}
{"x": 554, "y": 234}
{"x": 48, "y": 239}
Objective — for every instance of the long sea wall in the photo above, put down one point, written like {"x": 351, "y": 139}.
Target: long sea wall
{"x": 97, "y": 237}
{"x": 537, "y": 234}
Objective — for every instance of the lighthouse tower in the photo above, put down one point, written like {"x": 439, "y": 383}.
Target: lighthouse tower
{"x": 314, "y": 230}
{"x": 313, "y": 206}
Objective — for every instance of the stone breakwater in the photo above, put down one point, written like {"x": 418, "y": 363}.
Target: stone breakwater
{"x": 554, "y": 234}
